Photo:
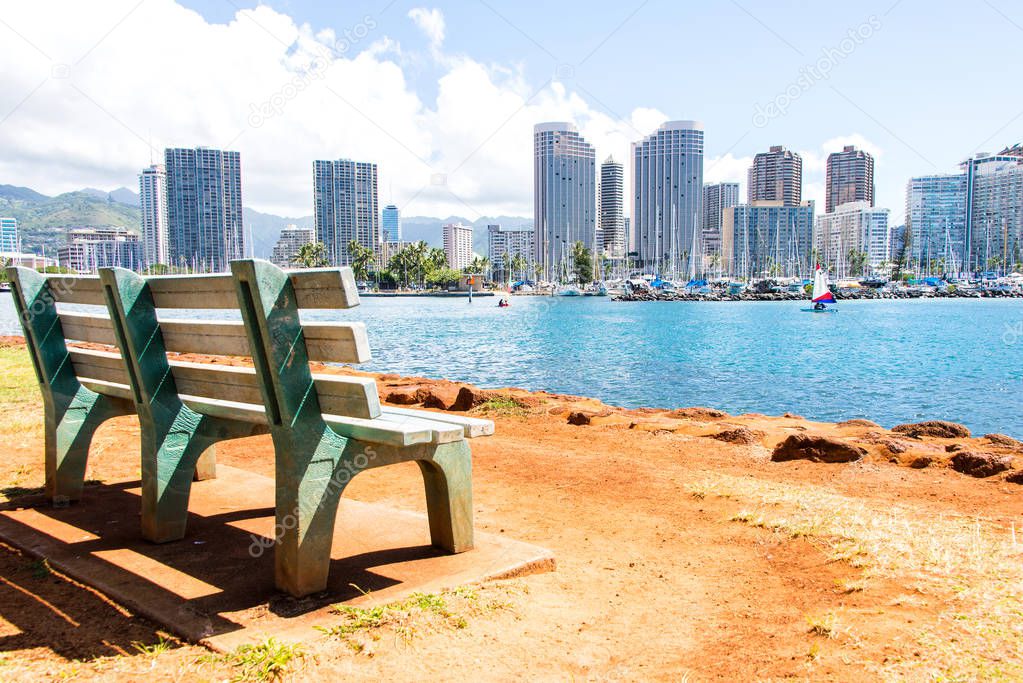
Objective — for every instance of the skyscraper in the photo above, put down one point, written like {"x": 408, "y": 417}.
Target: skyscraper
{"x": 767, "y": 239}
{"x": 854, "y": 228}
{"x": 291, "y": 240}
{"x": 503, "y": 244}
{"x": 458, "y": 245}
{"x": 776, "y": 175}
{"x": 668, "y": 194}
{"x": 850, "y": 178}
{"x": 994, "y": 204}
{"x": 936, "y": 212}
{"x": 204, "y": 208}
{"x": 612, "y": 208}
{"x": 564, "y": 193}
{"x": 9, "y": 235}
{"x": 88, "y": 249}
{"x": 716, "y": 198}
{"x": 153, "y": 206}
{"x": 391, "y": 223}
{"x": 345, "y": 207}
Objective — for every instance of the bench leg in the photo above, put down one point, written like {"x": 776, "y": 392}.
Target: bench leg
{"x": 169, "y": 458}
{"x": 448, "y": 480}
{"x": 206, "y": 467}
{"x": 69, "y": 431}
{"x": 306, "y": 508}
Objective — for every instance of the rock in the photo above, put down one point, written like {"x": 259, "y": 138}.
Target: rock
{"x": 954, "y": 448}
{"x": 920, "y": 462}
{"x": 406, "y": 395}
{"x": 793, "y": 416}
{"x": 1015, "y": 477}
{"x": 857, "y": 422}
{"x": 892, "y": 445}
{"x": 939, "y": 429}
{"x": 441, "y": 396}
{"x": 980, "y": 464}
{"x": 470, "y": 397}
{"x": 581, "y": 418}
{"x": 816, "y": 448}
{"x": 739, "y": 435}
{"x": 699, "y": 414}
{"x": 1004, "y": 441}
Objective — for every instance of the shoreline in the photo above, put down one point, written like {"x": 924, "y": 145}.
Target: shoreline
{"x": 869, "y": 295}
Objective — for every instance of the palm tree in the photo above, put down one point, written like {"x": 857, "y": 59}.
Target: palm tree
{"x": 519, "y": 265}
{"x": 362, "y": 258}
{"x": 312, "y": 255}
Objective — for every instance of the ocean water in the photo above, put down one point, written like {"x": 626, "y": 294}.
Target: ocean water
{"x": 888, "y": 361}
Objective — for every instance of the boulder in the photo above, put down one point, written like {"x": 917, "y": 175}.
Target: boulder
{"x": 470, "y": 397}
{"x": 739, "y": 435}
{"x": 581, "y": 418}
{"x": 1004, "y": 441}
{"x": 938, "y": 429}
{"x": 1015, "y": 477}
{"x": 406, "y": 395}
{"x": 793, "y": 416}
{"x": 980, "y": 464}
{"x": 816, "y": 448}
{"x": 921, "y": 461}
{"x": 698, "y": 414}
{"x": 441, "y": 396}
{"x": 857, "y": 422}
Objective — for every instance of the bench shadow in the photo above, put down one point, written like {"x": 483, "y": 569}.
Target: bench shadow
{"x": 197, "y": 582}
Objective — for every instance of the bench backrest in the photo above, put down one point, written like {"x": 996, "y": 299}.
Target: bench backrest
{"x": 137, "y": 327}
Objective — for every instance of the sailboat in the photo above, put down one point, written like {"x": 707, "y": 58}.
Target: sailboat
{"x": 822, "y": 296}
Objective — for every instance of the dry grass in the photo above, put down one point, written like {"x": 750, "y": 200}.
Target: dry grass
{"x": 973, "y": 566}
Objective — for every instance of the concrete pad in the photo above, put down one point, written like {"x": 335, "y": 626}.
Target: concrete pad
{"x": 216, "y": 587}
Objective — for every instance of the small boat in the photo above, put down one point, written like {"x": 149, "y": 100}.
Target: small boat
{"x": 503, "y": 304}
{"x": 568, "y": 290}
{"x": 822, "y": 296}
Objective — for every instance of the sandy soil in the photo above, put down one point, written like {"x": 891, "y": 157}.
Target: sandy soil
{"x": 664, "y": 571}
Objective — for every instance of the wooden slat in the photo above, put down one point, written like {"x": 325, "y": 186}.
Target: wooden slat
{"x": 108, "y": 388}
{"x": 325, "y": 342}
{"x": 354, "y": 396}
{"x": 473, "y": 426}
{"x": 104, "y": 366}
{"x": 389, "y": 430}
{"x": 314, "y": 288}
{"x": 87, "y": 327}
{"x": 76, "y": 289}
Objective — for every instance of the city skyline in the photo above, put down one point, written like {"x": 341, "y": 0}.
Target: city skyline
{"x": 405, "y": 79}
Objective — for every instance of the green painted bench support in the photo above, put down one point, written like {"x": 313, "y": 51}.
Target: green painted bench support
{"x": 313, "y": 462}
{"x": 174, "y": 437}
{"x": 72, "y": 413}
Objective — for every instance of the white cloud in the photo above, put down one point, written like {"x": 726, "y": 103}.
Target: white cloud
{"x": 431, "y": 23}
{"x": 283, "y": 95}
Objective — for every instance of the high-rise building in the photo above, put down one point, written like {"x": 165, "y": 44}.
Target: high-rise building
{"x": 668, "y": 195}
{"x": 458, "y": 245}
{"x": 88, "y": 249}
{"x": 852, "y": 232}
{"x": 9, "y": 236}
{"x": 776, "y": 175}
{"x": 994, "y": 204}
{"x": 767, "y": 239}
{"x": 850, "y": 178}
{"x": 716, "y": 198}
{"x": 204, "y": 208}
{"x": 936, "y": 214}
{"x": 503, "y": 244}
{"x": 564, "y": 193}
{"x": 292, "y": 239}
{"x": 390, "y": 222}
{"x": 612, "y": 208}
{"x": 345, "y": 207}
{"x": 153, "y": 207}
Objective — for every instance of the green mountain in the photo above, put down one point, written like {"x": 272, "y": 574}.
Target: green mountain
{"x": 42, "y": 220}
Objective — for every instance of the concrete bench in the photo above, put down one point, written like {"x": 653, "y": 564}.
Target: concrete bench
{"x": 325, "y": 428}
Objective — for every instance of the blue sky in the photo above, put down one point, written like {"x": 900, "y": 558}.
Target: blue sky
{"x": 922, "y": 84}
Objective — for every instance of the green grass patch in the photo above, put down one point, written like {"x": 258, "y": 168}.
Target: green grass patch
{"x": 163, "y": 644}
{"x": 502, "y": 405}
{"x": 267, "y": 661}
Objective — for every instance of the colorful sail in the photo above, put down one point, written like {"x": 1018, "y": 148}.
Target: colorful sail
{"x": 821, "y": 293}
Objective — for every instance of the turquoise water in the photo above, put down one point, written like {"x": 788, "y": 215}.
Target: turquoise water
{"x": 889, "y": 361}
